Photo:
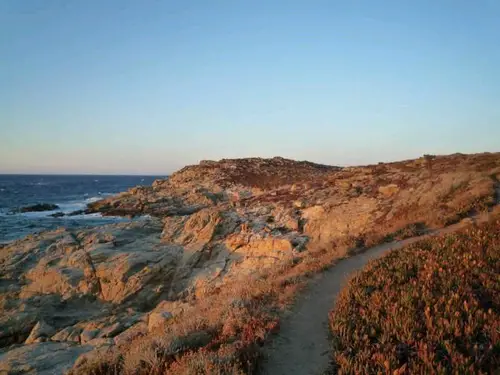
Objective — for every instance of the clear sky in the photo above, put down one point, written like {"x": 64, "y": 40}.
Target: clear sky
{"x": 103, "y": 86}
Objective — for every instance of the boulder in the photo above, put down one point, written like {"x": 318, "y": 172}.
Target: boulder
{"x": 42, "y": 331}
{"x": 112, "y": 330}
{"x": 39, "y": 207}
{"x": 71, "y": 334}
{"x": 199, "y": 229}
{"x": 77, "y": 212}
{"x": 57, "y": 214}
{"x": 16, "y": 326}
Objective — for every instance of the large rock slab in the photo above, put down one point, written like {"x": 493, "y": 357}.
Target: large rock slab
{"x": 40, "y": 332}
{"x": 47, "y": 358}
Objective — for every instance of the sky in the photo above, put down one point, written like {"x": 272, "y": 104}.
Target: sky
{"x": 146, "y": 87}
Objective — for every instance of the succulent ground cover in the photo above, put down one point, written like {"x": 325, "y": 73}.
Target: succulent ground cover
{"x": 431, "y": 307}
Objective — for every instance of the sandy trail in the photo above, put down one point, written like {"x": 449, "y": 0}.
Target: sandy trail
{"x": 302, "y": 345}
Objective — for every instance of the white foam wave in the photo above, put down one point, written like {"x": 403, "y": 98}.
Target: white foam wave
{"x": 39, "y": 183}
{"x": 66, "y": 208}
{"x": 92, "y": 199}
{"x": 37, "y": 215}
{"x": 105, "y": 194}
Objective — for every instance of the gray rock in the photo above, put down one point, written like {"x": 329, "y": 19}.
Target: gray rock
{"x": 57, "y": 214}
{"x": 112, "y": 330}
{"x": 37, "y": 208}
{"x": 71, "y": 334}
{"x": 45, "y": 358}
{"x": 39, "y": 332}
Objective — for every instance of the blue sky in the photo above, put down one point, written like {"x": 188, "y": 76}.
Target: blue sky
{"x": 149, "y": 86}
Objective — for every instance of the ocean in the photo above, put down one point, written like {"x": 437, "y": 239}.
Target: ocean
{"x": 69, "y": 192}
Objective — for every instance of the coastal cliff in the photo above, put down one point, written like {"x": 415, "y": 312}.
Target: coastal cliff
{"x": 71, "y": 295}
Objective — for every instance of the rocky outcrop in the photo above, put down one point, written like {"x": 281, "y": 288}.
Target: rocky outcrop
{"x": 45, "y": 358}
{"x": 57, "y": 214}
{"x": 40, "y": 332}
{"x": 75, "y": 291}
{"x": 208, "y": 184}
{"x": 39, "y": 207}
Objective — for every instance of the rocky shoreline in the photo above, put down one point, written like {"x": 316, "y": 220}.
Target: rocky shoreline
{"x": 39, "y": 207}
{"x": 67, "y": 294}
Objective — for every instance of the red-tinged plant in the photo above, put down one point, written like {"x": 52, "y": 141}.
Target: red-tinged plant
{"x": 432, "y": 307}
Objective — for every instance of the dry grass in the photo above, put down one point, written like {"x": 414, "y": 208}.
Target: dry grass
{"x": 225, "y": 327}
{"x": 223, "y": 332}
{"x": 432, "y": 307}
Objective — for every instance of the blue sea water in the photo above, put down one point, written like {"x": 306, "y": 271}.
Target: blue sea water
{"x": 69, "y": 192}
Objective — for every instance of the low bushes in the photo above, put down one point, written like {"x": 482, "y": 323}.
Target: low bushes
{"x": 432, "y": 307}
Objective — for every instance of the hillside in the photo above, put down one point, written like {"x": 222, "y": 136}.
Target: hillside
{"x": 201, "y": 281}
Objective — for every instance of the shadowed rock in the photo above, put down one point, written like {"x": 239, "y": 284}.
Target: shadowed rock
{"x": 39, "y": 207}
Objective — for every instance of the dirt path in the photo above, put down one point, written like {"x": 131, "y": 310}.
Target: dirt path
{"x": 302, "y": 346}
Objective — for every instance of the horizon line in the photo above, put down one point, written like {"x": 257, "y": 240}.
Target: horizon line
{"x": 247, "y": 157}
{"x": 83, "y": 174}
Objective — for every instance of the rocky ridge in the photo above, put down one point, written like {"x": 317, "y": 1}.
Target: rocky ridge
{"x": 79, "y": 291}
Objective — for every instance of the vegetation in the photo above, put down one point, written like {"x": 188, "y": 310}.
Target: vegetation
{"x": 379, "y": 326}
{"x": 225, "y": 329}
{"x": 431, "y": 307}
{"x": 223, "y": 334}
